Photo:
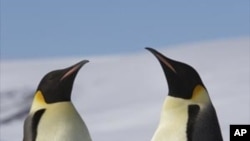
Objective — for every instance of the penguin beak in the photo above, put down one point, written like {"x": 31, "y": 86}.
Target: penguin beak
{"x": 73, "y": 69}
{"x": 168, "y": 66}
{"x": 164, "y": 61}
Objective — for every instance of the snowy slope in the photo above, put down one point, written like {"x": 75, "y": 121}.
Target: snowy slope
{"x": 120, "y": 96}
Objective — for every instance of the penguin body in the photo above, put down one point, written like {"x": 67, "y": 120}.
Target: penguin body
{"x": 187, "y": 113}
{"x": 52, "y": 116}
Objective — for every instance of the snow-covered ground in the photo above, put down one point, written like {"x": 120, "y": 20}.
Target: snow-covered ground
{"x": 120, "y": 96}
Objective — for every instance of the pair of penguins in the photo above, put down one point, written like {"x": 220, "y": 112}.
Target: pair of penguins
{"x": 187, "y": 113}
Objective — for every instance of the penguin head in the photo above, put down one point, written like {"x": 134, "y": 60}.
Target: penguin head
{"x": 56, "y": 86}
{"x": 183, "y": 80}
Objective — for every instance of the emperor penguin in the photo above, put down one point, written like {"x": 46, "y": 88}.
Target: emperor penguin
{"x": 187, "y": 113}
{"x": 52, "y": 116}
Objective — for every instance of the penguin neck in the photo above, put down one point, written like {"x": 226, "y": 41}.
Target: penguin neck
{"x": 40, "y": 103}
{"x": 174, "y": 107}
{"x": 199, "y": 97}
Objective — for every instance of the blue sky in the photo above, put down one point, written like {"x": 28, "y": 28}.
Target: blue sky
{"x": 56, "y": 28}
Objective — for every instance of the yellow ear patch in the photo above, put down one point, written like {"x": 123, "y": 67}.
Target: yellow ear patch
{"x": 197, "y": 91}
{"x": 38, "y": 102}
{"x": 39, "y": 97}
{"x": 200, "y": 94}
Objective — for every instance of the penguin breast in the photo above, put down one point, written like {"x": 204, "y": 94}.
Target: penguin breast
{"x": 61, "y": 122}
{"x": 174, "y": 119}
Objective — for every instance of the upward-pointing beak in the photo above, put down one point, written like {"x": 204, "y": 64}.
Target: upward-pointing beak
{"x": 72, "y": 70}
{"x": 164, "y": 61}
{"x": 170, "y": 71}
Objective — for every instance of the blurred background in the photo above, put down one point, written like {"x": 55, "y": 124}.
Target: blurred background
{"x": 119, "y": 93}
{"x": 55, "y": 28}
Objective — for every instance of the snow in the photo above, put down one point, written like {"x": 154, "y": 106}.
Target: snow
{"x": 120, "y": 96}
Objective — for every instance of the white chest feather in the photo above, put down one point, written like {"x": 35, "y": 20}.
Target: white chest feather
{"x": 174, "y": 116}
{"x": 173, "y": 120}
{"x": 61, "y": 122}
